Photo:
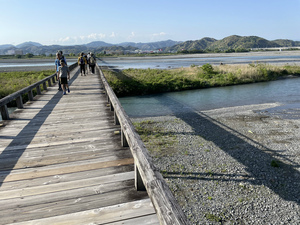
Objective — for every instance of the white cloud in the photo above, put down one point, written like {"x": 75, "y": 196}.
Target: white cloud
{"x": 112, "y": 35}
{"x": 159, "y": 34}
{"x": 96, "y": 36}
{"x": 81, "y": 39}
{"x": 132, "y": 34}
{"x": 110, "y": 38}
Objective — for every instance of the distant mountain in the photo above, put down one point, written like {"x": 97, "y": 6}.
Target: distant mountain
{"x": 151, "y": 45}
{"x": 193, "y": 45}
{"x": 29, "y": 44}
{"x": 287, "y": 43}
{"x": 242, "y": 42}
{"x": 97, "y": 44}
{"x": 6, "y": 46}
{"x": 232, "y": 42}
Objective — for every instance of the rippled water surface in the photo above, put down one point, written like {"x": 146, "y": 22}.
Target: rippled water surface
{"x": 285, "y": 91}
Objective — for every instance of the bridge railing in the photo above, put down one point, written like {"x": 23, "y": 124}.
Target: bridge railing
{"x": 147, "y": 176}
{"x": 27, "y": 90}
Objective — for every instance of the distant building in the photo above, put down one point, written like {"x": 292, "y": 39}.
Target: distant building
{"x": 14, "y": 52}
{"x": 18, "y": 52}
{"x": 10, "y": 52}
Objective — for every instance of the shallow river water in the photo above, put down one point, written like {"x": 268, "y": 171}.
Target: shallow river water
{"x": 285, "y": 92}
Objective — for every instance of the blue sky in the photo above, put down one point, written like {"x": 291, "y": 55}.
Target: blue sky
{"x": 69, "y": 22}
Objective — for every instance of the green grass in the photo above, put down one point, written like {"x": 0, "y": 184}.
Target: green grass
{"x": 213, "y": 217}
{"x": 15, "y": 81}
{"x": 156, "y": 139}
{"x": 149, "y": 81}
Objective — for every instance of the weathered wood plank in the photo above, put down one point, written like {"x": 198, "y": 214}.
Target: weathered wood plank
{"x": 26, "y": 174}
{"x": 67, "y": 148}
{"x": 19, "y": 184}
{"x": 137, "y": 212}
{"x": 23, "y": 143}
{"x": 25, "y": 162}
{"x": 55, "y": 208}
{"x": 50, "y": 188}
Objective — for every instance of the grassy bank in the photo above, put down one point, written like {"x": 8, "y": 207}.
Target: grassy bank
{"x": 149, "y": 81}
{"x": 15, "y": 81}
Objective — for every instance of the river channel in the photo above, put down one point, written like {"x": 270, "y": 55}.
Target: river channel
{"x": 285, "y": 92}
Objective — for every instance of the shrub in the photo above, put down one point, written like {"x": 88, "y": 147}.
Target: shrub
{"x": 208, "y": 69}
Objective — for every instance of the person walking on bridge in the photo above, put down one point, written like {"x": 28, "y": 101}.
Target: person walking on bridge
{"x": 64, "y": 75}
{"x": 59, "y": 57}
{"x": 82, "y": 63}
{"x": 92, "y": 63}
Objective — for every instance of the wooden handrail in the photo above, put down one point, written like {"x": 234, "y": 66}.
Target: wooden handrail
{"x": 18, "y": 94}
{"x": 147, "y": 175}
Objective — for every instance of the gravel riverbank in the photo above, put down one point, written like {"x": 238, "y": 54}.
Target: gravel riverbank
{"x": 237, "y": 165}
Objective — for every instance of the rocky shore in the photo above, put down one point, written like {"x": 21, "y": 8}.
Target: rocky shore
{"x": 237, "y": 165}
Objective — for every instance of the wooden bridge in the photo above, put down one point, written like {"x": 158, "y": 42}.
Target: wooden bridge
{"x": 76, "y": 159}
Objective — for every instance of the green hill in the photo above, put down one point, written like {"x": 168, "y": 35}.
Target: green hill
{"x": 287, "y": 43}
{"x": 233, "y": 42}
{"x": 194, "y": 45}
{"x": 239, "y": 42}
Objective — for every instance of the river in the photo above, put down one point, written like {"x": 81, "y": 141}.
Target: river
{"x": 168, "y": 62}
{"x": 286, "y": 92}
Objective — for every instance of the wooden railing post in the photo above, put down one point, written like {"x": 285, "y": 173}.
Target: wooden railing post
{"x": 138, "y": 182}
{"x": 124, "y": 142}
{"x": 116, "y": 119}
{"x": 30, "y": 95}
{"x": 49, "y": 82}
{"x": 111, "y": 106}
{"x": 45, "y": 86}
{"x": 38, "y": 90}
{"x": 4, "y": 112}
{"x": 19, "y": 101}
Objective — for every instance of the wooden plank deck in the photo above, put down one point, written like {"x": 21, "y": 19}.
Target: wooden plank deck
{"x": 61, "y": 162}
